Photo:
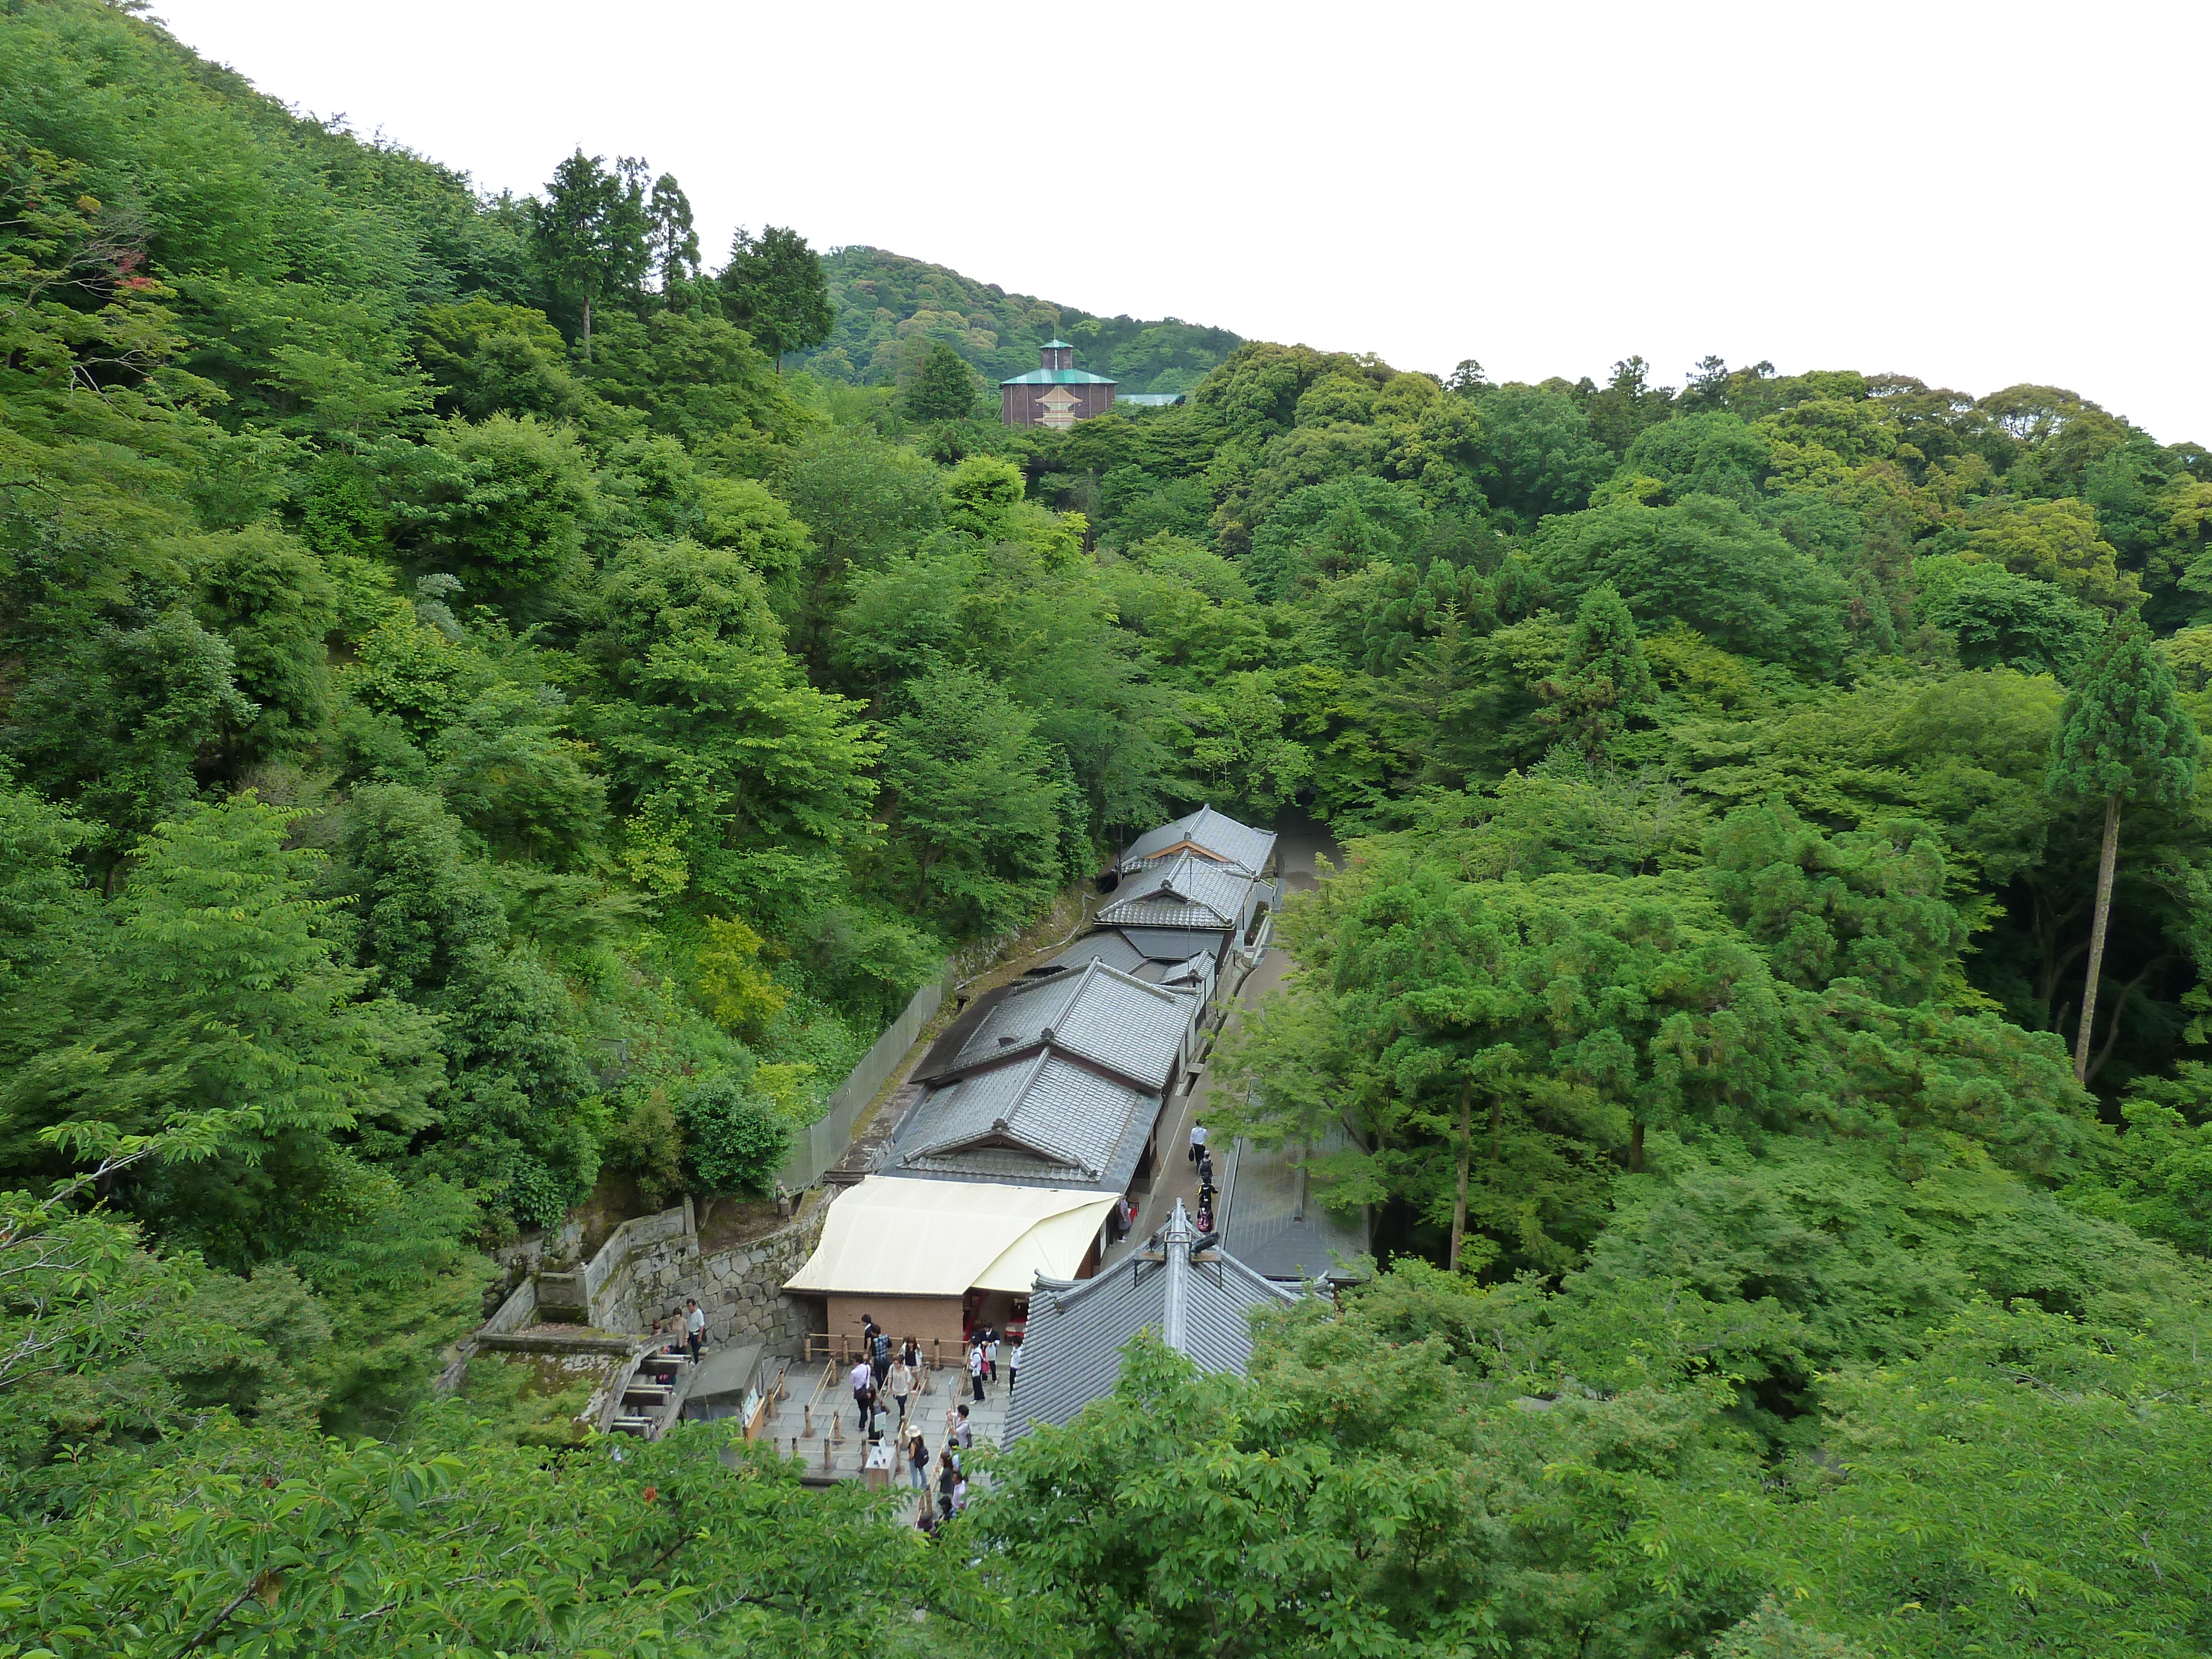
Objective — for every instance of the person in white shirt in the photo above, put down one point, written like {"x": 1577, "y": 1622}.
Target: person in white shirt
{"x": 1014, "y": 1366}
{"x": 863, "y": 1380}
{"x": 976, "y": 1368}
{"x": 695, "y": 1326}
{"x": 1197, "y": 1141}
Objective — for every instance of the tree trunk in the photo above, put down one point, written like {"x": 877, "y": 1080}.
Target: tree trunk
{"x": 2106, "y": 860}
{"x": 1636, "y": 1147}
{"x": 587, "y": 330}
{"x": 1466, "y": 1147}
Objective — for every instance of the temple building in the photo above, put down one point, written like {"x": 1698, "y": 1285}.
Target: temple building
{"x": 1055, "y": 394}
{"x": 1183, "y": 1286}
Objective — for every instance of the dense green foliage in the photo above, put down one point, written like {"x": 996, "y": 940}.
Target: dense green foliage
{"x": 890, "y": 310}
{"x": 476, "y": 737}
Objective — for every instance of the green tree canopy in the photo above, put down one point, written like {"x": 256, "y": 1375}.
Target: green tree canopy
{"x": 944, "y": 389}
{"x": 774, "y": 286}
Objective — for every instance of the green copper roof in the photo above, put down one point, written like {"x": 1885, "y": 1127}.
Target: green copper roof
{"x": 1061, "y": 377}
{"x": 1056, "y": 345}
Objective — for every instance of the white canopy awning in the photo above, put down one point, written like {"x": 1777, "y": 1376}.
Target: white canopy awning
{"x": 892, "y": 1236}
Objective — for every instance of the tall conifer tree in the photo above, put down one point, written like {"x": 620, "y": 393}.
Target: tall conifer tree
{"x": 2122, "y": 736}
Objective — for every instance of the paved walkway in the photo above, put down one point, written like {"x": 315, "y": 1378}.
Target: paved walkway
{"x": 1178, "y": 1176}
{"x": 819, "y": 1423}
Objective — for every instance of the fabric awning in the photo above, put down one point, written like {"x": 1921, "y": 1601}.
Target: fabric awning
{"x": 892, "y": 1236}
{"x": 1054, "y": 1247}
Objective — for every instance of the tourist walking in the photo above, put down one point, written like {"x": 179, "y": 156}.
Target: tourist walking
{"x": 879, "y": 1355}
{"x": 991, "y": 1352}
{"x": 863, "y": 1380}
{"x": 976, "y": 1368}
{"x": 965, "y": 1435}
{"x": 1013, "y": 1368}
{"x": 902, "y": 1381}
{"x": 1197, "y": 1141}
{"x": 947, "y": 1478}
{"x": 695, "y": 1326}
{"x": 917, "y": 1461}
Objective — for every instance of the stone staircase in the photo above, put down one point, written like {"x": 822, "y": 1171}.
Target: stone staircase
{"x": 649, "y": 1400}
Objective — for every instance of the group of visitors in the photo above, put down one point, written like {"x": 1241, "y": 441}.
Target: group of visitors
{"x": 950, "y": 1477}
{"x": 1124, "y": 1217}
{"x": 882, "y": 1378}
{"x": 1202, "y": 1157}
{"x": 983, "y": 1358}
{"x": 686, "y": 1330}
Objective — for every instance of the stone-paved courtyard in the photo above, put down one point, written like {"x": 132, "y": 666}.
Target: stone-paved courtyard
{"x": 818, "y": 1421}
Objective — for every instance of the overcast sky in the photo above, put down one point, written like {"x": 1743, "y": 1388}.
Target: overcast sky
{"x": 1976, "y": 194}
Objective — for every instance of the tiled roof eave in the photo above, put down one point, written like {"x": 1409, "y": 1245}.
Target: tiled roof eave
{"x": 1059, "y": 377}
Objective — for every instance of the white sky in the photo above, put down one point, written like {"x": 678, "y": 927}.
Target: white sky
{"x": 1977, "y": 194}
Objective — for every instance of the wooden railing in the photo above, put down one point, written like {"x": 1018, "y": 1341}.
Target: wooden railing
{"x": 844, "y": 1350}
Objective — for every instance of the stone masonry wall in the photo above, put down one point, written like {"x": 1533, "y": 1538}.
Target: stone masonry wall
{"x": 739, "y": 1290}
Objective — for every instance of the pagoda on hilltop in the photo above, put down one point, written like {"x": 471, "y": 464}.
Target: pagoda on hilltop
{"x": 1055, "y": 394}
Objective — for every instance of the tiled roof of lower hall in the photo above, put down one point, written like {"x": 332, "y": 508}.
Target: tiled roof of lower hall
{"x": 1199, "y": 1303}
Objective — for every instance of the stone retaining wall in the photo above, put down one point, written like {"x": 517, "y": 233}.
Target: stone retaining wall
{"x": 739, "y": 1290}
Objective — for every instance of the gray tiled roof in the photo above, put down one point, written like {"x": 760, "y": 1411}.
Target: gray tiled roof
{"x": 1173, "y": 944}
{"x": 1272, "y": 1221}
{"x": 1194, "y": 970}
{"x": 1219, "y": 834}
{"x": 1185, "y": 891}
{"x": 1112, "y": 1019}
{"x": 1108, "y": 946}
{"x": 1044, "y": 1120}
{"x": 1199, "y": 1304}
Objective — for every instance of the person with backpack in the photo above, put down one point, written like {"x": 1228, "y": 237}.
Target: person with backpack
{"x": 879, "y": 1357}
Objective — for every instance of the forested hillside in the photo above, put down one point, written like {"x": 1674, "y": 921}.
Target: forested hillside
{"x": 890, "y": 310}
{"x": 474, "y": 735}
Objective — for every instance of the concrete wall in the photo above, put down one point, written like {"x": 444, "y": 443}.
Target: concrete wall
{"x": 822, "y": 1142}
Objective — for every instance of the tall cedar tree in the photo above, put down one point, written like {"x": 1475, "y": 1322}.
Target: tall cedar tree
{"x": 1606, "y": 680}
{"x": 2123, "y": 734}
{"x": 673, "y": 244}
{"x": 590, "y": 232}
{"x": 775, "y": 286}
{"x": 944, "y": 390}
